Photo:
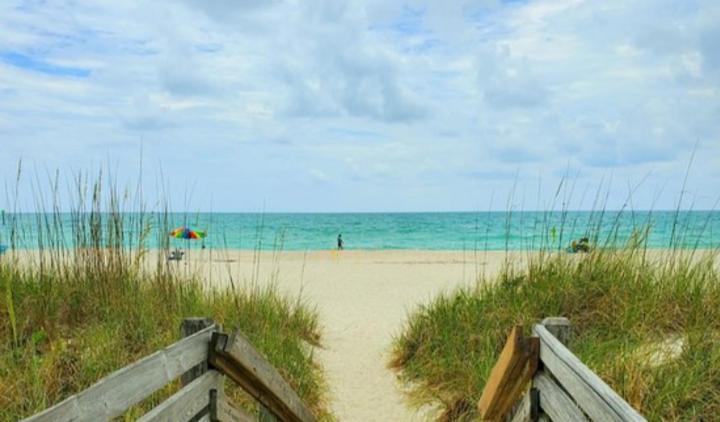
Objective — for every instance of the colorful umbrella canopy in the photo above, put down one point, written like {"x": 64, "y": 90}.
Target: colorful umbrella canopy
{"x": 186, "y": 233}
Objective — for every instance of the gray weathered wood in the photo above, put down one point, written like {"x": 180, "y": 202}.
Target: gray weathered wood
{"x": 554, "y": 402}
{"x": 523, "y": 409}
{"x": 111, "y": 396}
{"x": 559, "y": 327}
{"x": 593, "y": 396}
{"x": 239, "y": 360}
{"x": 227, "y": 413}
{"x": 528, "y": 409}
{"x": 188, "y": 327}
{"x": 188, "y": 402}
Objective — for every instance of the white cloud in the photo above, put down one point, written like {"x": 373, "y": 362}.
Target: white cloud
{"x": 262, "y": 97}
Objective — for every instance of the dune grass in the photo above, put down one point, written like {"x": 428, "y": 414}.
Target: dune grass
{"x": 626, "y": 307}
{"x": 73, "y": 313}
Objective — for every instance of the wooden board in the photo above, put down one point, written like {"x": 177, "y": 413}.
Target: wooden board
{"x": 227, "y": 413}
{"x": 188, "y": 327}
{"x": 591, "y": 394}
{"x": 510, "y": 376}
{"x": 188, "y": 402}
{"x": 554, "y": 402}
{"x": 113, "y": 395}
{"x": 239, "y": 360}
{"x": 523, "y": 410}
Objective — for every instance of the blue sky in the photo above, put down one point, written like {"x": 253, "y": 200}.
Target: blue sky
{"x": 368, "y": 106}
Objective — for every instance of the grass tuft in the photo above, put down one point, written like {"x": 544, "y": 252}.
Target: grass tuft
{"x": 648, "y": 322}
{"x": 74, "y": 312}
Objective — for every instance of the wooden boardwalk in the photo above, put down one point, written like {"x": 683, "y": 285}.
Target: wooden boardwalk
{"x": 535, "y": 378}
{"x": 202, "y": 359}
{"x": 538, "y": 378}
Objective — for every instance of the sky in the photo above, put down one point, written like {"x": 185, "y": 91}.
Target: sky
{"x": 311, "y": 106}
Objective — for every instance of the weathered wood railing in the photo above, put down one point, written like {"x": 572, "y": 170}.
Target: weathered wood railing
{"x": 202, "y": 359}
{"x": 538, "y": 378}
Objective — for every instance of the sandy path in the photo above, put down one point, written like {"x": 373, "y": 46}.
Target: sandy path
{"x": 363, "y": 299}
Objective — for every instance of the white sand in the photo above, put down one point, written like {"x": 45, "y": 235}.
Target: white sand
{"x": 363, "y": 299}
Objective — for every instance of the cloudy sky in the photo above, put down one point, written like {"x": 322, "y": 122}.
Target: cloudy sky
{"x": 368, "y": 106}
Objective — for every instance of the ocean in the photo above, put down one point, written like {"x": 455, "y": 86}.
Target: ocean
{"x": 378, "y": 231}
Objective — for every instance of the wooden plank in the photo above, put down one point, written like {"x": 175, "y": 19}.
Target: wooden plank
{"x": 238, "y": 359}
{"x": 593, "y": 396}
{"x": 510, "y": 375}
{"x": 508, "y": 361}
{"x": 528, "y": 409}
{"x": 113, "y": 395}
{"x": 523, "y": 410}
{"x": 520, "y": 381}
{"x": 554, "y": 402}
{"x": 188, "y": 402}
{"x": 188, "y": 327}
{"x": 228, "y": 413}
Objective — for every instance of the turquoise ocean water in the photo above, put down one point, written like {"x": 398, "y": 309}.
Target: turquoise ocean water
{"x": 377, "y": 231}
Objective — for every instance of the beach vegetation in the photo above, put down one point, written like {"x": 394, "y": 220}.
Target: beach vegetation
{"x": 73, "y": 311}
{"x": 646, "y": 321}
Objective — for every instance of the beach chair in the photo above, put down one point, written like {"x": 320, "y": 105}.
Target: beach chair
{"x": 176, "y": 255}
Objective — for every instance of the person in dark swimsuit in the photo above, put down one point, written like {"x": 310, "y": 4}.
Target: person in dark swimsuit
{"x": 340, "y": 242}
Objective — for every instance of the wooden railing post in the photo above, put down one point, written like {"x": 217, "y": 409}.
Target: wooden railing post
{"x": 189, "y": 327}
{"x": 213, "y": 408}
{"x": 559, "y": 327}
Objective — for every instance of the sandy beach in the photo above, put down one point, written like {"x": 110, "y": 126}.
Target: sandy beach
{"x": 363, "y": 299}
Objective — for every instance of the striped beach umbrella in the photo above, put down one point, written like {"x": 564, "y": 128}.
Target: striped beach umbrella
{"x": 186, "y": 233}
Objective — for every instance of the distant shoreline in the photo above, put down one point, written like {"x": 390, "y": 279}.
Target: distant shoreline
{"x": 381, "y": 231}
{"x": 369, "y": 250}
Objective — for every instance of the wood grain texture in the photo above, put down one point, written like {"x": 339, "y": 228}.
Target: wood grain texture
{"x": 111, "y": 396}
{"x": 239, "y": 360}
{"x": 523, "y": 410}
{"x": 591, "y": 394}
{"x": 521, "y": 380}
{"x": 188, "y": 402}
{"x": 510, "y": 375}
{"x": 554, "y": 402}
{"x": 228, "y": 413}
{"x": 188, "y": 327}
{"x": 560, "y": 327}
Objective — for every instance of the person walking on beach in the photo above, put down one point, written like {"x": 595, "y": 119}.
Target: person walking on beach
{"x": 340, "y": 242}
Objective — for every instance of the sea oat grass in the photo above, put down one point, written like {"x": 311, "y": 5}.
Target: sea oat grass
{"x": 70, "y": 333}
{"x": 627, "y": 308}
{"x": 76, "y": 308}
